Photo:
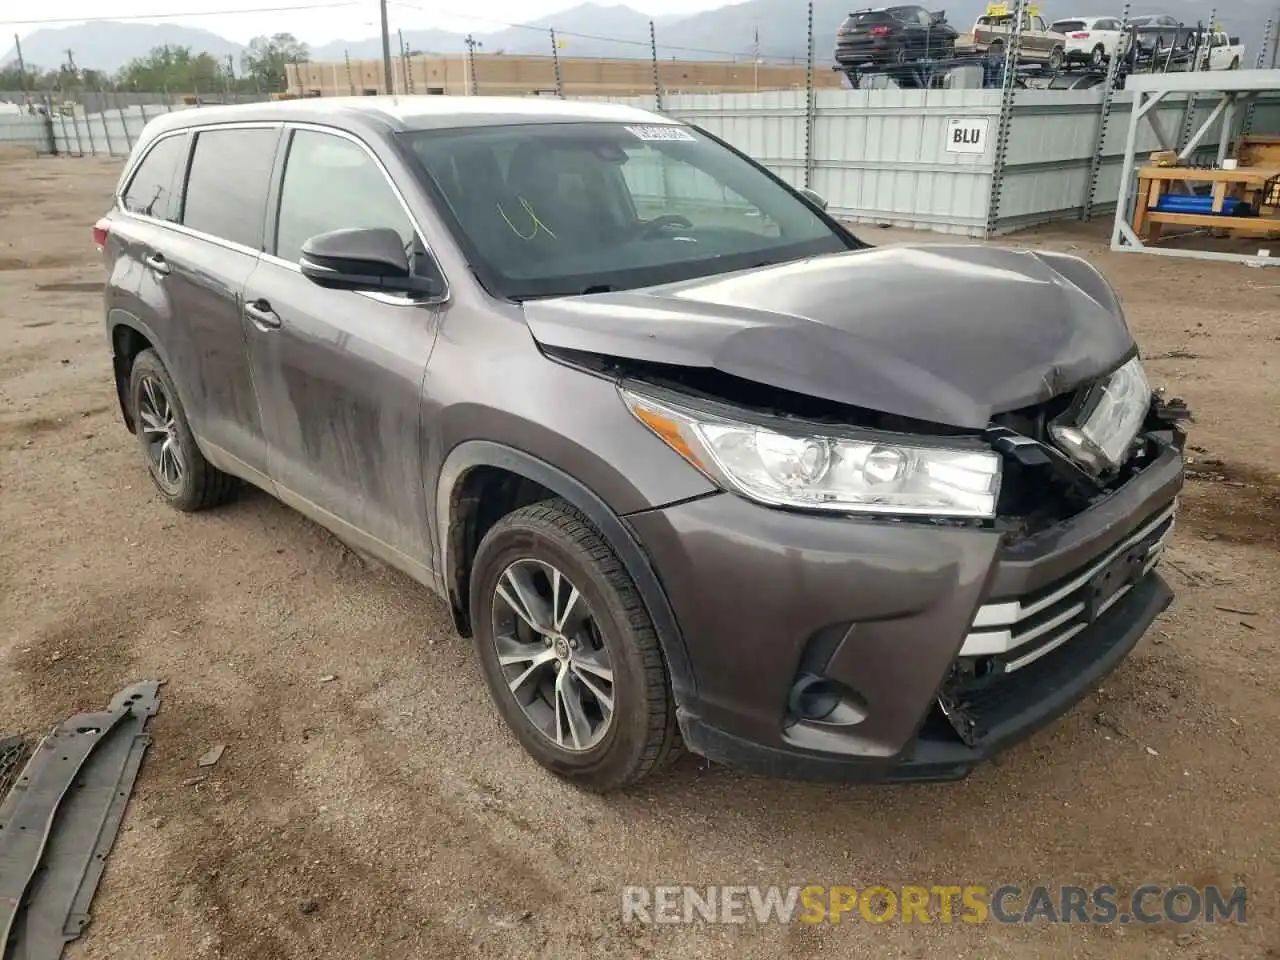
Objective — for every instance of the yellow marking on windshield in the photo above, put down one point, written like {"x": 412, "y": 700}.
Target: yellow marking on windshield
{"x": 538, "y": 225}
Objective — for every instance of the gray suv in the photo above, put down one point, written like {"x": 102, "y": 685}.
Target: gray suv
{"x": 690, "y": 462}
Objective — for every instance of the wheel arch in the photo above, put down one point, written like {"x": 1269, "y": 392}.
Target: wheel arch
{"x": 129, "y": 336}
{"x": 469, "y": 474}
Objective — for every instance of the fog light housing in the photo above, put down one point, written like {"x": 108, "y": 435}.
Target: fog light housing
{"x": 816, "y": 699}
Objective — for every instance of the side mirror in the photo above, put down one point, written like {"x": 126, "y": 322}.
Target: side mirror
{"x": 938, "y": 16}
{"x": 365, "y": 258}
{"x": 814, "y": 197}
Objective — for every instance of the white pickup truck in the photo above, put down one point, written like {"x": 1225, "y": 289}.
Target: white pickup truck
{"x": 1221, "y": 52}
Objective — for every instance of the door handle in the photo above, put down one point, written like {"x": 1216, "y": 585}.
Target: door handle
{"x": 260, "y": 312}
{"x": 158, "y": 264}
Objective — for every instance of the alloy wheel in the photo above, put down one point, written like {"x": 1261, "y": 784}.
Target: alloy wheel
{"x": 553, "y": 655}
{"x": 159, "y": 431}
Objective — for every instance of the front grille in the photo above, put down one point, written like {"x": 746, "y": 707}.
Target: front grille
{"x": 1007, "y": 635}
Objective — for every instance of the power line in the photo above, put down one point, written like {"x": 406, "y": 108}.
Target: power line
{"x": 176, "y": 15}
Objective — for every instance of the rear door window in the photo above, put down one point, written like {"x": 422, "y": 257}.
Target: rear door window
{"x": 151, "y": 189}
{"x": 228, "y": 181}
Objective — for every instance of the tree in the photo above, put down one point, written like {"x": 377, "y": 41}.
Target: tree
{"x": 266, "y": 58}
{"x": 12, "y": 79}
{"x": 171, "y": 68}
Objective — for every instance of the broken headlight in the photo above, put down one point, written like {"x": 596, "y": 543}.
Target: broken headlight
{"x": 1099, "y": 433}
{"x": 880, "y": 474}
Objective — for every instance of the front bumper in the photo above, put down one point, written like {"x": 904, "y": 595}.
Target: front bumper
{"x": 889, "y": 612}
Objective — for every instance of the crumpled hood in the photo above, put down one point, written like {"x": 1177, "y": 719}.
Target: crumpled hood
{"x": 949, "y": 334}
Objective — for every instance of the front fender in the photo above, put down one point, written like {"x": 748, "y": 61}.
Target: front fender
{"x": 473, "y": 454}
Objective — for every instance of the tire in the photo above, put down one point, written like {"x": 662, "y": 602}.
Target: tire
{"x": 1235, "y": 64}
{"x": 185, "y": 479}
{"x": 1099, "y": 56}
{"x": 520, "y": 554}
{"x": 995, "y": 51}
{"x": 1055, "y": 59}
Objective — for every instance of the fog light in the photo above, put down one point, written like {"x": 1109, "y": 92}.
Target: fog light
{"x": 823, "y": 700}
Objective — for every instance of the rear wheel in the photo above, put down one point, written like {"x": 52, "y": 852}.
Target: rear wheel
{"x": 996, "y": 50}
{"x": 1099, "y": 56}
{"x": 1235, "y": 64}
{"x": 568, "y": 651}
{"x": 179, "y": 470}
{"x": 1056, "y": 58}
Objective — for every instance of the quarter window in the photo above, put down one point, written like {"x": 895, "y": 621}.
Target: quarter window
{"x": 331, "y": 183}
{"x": 150, "y": 192}
{"x": 227, "y": 185}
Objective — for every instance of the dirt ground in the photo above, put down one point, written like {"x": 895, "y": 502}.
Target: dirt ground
{"x": 387, "y": 814}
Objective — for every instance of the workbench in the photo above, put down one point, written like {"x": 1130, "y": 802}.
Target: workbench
{"x": 1236, "y": 92}
{"x": 1243, "y": 183}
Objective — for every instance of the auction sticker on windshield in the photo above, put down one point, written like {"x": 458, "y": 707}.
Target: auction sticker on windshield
{"x": 664, "y": 132}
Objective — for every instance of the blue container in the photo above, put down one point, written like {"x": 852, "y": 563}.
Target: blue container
{"x": 1175, "y": 203}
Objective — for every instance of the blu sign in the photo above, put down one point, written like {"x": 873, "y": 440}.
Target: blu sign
{"x": 967, "y": 134}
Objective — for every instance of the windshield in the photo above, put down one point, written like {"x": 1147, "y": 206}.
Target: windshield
{"x": 556, "y": 209}
{"x": 1067, "y": 26}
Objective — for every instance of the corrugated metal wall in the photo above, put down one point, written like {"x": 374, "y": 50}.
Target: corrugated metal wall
{"x": 26, "y": 130}
{"x": 879, "y": 156}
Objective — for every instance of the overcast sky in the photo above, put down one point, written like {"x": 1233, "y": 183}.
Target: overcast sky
{"x": 321, "y": 25}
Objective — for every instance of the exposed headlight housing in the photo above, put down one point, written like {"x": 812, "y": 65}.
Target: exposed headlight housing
{"x": 1099, "y": 433}
{"x": 881, "y": 474}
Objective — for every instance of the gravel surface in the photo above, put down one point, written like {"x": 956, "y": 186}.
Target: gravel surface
{"x": 368, "y": 803}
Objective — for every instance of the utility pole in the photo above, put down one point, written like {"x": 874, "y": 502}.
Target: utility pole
{"x": 387, "y": 76}
{"x": 404, "y": 60}
{"x": 555, "y": 57}
{"x": 657, "y": 76}
{"x": 472, "y": 43}
{"x": 1275, "y": 42}
{"x": 22, "y": 69}
{"x": 755, "y": 56}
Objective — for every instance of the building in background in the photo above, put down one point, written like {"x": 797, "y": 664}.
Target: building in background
{"x": 503, "y": 75}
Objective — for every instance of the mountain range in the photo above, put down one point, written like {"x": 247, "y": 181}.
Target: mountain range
{"x": 596, "y": 30}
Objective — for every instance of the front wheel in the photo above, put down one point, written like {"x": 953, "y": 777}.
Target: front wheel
{"x": 1235, "y": 64}
{"x": 568, "y": 650}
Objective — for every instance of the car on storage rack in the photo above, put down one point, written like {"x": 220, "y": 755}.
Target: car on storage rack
{"x": 688, "y": 460}
{"x": 1221, "y": 52}
{"x": 992, "y": 32}
{"x": 1092, "y": 40}
{"x": 1161, "y": 36}
{"x": 894, "y": 35}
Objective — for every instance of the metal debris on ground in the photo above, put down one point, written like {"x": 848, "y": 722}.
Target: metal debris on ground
{"x": 59, "y": 822}
{"x": 12, "y": 752}
{"x": 1244, "y": 613}
{"x": 212, "y": 755}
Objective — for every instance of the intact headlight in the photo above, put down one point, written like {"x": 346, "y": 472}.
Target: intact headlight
{"x": 1100, "y": 433}
{"x": 874, "y": 475}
